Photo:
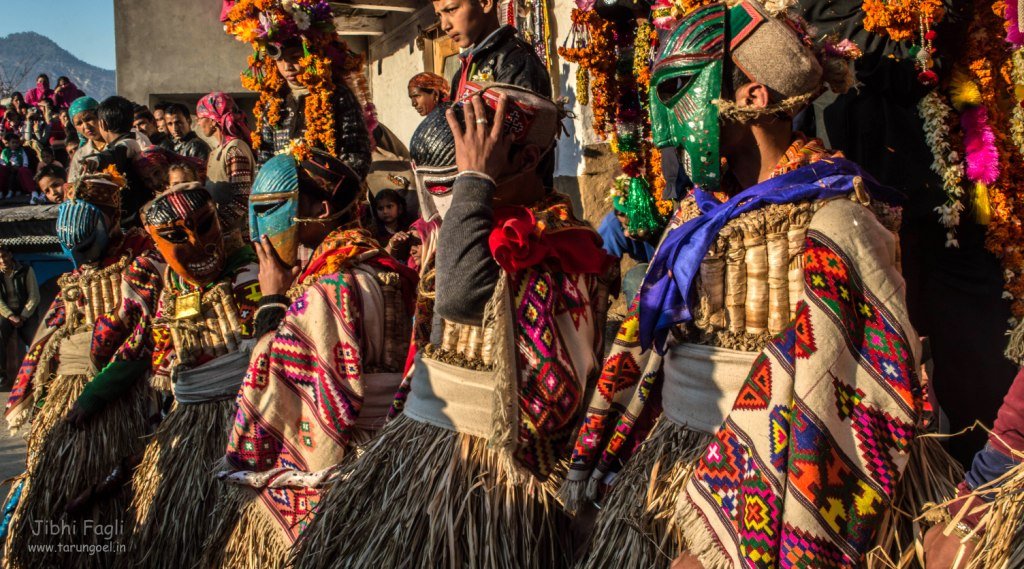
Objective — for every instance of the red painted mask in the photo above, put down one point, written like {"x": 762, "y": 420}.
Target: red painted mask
{"x": 184, "y": 226}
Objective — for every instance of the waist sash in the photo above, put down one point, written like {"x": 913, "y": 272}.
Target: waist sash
{"x": 451, "y": 397}
{"x": 216, "y": 380}
{"x": 378, "y": 394}
{"x": 701, "y": 383}
{"x": 75, "y": 355}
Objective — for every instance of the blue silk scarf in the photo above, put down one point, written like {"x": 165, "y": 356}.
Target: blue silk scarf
{"x": 666, "y": 295}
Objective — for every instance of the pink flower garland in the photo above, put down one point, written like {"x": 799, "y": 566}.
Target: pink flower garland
{"x": 979, "y": 142}
{"x": 1014, "y": 34}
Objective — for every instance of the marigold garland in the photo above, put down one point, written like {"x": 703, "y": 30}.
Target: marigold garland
{"x": 665, "y": 12}
{"x": 614, "y": 61}
{"x": 900, "y": 19}
{"x": 996, "y": 72}
{"x": 592, "y": 36}
{"x": 259, "y": 22}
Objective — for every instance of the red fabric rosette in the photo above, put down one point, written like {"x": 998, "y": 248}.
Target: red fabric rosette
{"x": 519, "y": 242}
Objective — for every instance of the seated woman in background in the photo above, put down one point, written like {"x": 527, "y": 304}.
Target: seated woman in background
{"x": 426, "y": 90}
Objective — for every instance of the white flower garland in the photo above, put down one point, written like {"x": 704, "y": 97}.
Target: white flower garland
{"x": 947, "y": 162}
{"x": 1017, "y": 116}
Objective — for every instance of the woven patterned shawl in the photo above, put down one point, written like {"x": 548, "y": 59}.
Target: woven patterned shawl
{"x": 303, "y": 393}
{"x": 805, "y": 466}
{"x": 621, "y": 409}
{"x": 25, "y": 392}
{"x": 557, "y": 307}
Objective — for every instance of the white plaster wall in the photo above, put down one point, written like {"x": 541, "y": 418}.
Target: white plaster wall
{"x": 393, "y": 59}
{"x": 389, "y": 80}
{"x": 569, "y": 152}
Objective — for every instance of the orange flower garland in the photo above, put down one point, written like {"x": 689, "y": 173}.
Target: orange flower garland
{"x": 619, "y": 98}
{"x": 316, "y": 76}
{"x": 594, "y": 59}
{"x": 259, "y": 21}
{"x": 900, "y": 19}
{"x": 263, "y": 78}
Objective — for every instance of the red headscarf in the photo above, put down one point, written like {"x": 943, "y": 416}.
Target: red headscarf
{"x": 430, "y": 81}
{"x": 221, "y": 108}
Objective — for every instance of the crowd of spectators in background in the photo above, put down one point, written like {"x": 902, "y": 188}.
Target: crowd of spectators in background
{"x": 40, "y": 139}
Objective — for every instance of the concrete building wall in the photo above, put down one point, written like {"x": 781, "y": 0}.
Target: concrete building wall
{"x": 174, "y": 48}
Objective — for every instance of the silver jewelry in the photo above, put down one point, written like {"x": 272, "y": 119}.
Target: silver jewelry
{"x": 481, "y": 121}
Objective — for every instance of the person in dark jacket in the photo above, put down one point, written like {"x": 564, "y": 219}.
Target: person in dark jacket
{"x": 145, "y": 123}
{"x": 123, "y": 150}
{"x": 491, "y": 52}
{"x": 19, "y": 298}
{"x": 177, "y": 120}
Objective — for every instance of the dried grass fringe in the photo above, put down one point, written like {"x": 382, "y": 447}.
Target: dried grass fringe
{"x": 424, "y": 496}
{"x": 1015, "y": 345}
{"x": 244, "y": 536}
{"x": 697, "y": 536}
{"x": 931, "y": 476}
{"x": 1000, "y": 532}
{"x": 174, "y": 491}
{"x": 1002, "y": 544}
{"x": 636, "y": 527}
{"x": 63, "y": 462}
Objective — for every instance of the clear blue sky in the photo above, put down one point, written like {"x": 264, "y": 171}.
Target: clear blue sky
{"x": 83, "y": 27}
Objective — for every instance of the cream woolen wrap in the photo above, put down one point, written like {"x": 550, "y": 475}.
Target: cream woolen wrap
{"x": 701, "y": 383}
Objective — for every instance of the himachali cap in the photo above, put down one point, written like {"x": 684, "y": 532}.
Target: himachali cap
{"x": 529, "y": 117}
{"x": 769, "y": 50}
{"x": 102, "y": 190}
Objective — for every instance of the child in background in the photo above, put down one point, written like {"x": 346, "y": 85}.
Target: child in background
{"x": 46, "y": 157}
{"x": 181, "y": 173}
{"x": 13, "y": 121}
{"x": 51, "y": 180}
{"x": 391, "y": 219}
{"x": 14, "y": 161}
{"x": 71, "y": 146}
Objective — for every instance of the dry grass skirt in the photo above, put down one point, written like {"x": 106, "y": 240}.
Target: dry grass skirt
{"x": 64, "y": 462}
{"x": 244, "y": 535}
{"x": 174, "y": 489}
{"x": 424, "y": 496}
{"x": 931, "y": 476}
{"x": 636, "y": 527}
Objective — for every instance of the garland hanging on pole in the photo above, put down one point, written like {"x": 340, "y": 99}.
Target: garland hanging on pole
{"x": 614, "y": 58}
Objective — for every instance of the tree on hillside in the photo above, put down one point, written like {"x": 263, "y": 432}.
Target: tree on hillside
{"x": 12, "y": 75}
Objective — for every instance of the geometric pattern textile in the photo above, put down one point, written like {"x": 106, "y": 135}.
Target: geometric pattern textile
{"x": 806, "y": 464}
{"x": 304, "y": 390}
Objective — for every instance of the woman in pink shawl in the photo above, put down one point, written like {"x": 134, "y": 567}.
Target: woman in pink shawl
{"x": 65, "y": 93}
{"x": 229, "y": 170}
{"x": 41, "y": 91}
